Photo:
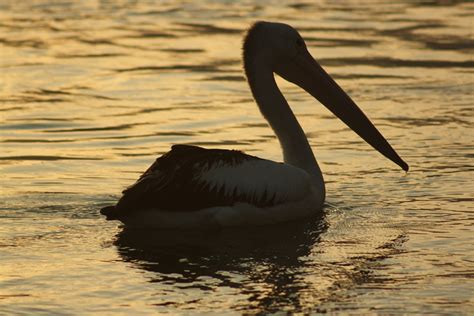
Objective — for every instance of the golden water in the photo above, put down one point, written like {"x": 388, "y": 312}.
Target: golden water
{"x": 93, "y": 91}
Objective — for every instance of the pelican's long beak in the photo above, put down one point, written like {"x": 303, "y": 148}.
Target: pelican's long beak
{"x": 309, "y": 75}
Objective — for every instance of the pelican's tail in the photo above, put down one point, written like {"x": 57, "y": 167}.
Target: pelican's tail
{"x": 110, "y": 212}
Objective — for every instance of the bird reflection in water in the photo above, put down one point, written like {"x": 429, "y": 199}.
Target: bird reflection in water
{"x": 269, "y": 257}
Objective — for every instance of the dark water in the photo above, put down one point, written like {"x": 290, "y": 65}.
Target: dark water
{"x": 93, "y": 91}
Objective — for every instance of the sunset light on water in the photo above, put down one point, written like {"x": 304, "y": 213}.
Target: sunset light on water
{"x": 92, "y": 92}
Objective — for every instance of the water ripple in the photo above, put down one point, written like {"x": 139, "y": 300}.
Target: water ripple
{"x": 94, "y": 91}
{"x": 387, "y": 62}
{"x": 46, "y": 158}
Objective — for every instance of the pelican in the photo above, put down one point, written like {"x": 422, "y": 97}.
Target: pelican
{"x": 194, "y": 187}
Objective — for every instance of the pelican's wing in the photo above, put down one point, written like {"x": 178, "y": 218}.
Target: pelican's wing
{"x": 190, "y": 178}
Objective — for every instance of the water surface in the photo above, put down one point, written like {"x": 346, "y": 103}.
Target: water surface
{"x": 93, "y": 91}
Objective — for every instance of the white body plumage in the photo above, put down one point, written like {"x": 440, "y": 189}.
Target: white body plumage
{"x": 288, "y": 191}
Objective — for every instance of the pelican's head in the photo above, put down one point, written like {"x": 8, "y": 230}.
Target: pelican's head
{"x": 279, "y": 48}
{"x": 272, "y": 43}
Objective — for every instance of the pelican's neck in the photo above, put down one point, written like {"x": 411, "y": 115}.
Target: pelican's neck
{"x": 275, "y": 109}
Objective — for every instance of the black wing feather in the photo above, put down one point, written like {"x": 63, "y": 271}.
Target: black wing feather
{"x": 172, "y": 183}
